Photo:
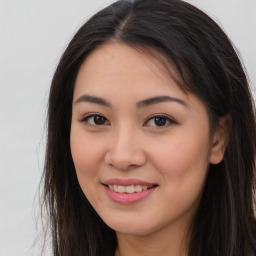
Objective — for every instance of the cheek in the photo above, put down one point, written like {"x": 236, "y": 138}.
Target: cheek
{"x": 183, "y": 169}
{"x": 183, "y": 162}
{"x": 87, "y": 154}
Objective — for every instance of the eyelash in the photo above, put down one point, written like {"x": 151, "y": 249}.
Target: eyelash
{"x": 167, "y": 121}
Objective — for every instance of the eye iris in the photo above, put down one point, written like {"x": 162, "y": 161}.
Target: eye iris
{"x": 99, "y": 120}
{"x": 160, "y": 121}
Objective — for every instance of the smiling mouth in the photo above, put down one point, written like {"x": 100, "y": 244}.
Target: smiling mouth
{"x": 129, "y": 189}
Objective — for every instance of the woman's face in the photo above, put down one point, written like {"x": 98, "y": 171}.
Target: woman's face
{"x": 140, "y": 145}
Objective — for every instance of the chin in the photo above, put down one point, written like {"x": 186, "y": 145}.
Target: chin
{"x": 131, "y": 227}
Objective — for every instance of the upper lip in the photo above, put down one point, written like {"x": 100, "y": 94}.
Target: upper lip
{"x": 127, "y": 182}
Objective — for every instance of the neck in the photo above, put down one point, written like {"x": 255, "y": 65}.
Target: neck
{"x": 161, "y": 243}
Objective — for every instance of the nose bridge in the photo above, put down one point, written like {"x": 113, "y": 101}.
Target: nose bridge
{"x": 125, "y": 150}
{"x": 124, "y": 136}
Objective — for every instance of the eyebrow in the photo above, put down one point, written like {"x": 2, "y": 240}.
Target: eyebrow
{"x": 143, "y": 103}
{"x": 93, "y": 99}
{"x": 159, "y": 99}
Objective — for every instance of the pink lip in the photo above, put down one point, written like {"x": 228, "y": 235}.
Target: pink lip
{"x": 127, "y": 182}
{"x": 125, "y": 198}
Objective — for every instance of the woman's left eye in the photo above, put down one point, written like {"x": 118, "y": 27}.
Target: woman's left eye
{"x": 159, "y": 121}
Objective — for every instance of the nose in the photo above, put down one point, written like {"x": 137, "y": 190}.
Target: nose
{"x": 125, "y": 151}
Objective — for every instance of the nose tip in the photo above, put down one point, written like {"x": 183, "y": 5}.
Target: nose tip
{"x": 123, "y": 159}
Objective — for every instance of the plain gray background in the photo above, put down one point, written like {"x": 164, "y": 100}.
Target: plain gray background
{"x": 33, "y": 34}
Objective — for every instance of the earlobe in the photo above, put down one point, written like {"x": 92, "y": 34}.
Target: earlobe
{"x": 220, "y": 140}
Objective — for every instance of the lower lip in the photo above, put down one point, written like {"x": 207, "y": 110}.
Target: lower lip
{"x": 126, "y": 198}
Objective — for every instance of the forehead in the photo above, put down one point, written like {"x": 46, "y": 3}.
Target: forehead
{"x": 116, "y": 67}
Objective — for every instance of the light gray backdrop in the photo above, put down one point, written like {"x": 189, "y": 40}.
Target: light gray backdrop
{"x": 33, "y": 34}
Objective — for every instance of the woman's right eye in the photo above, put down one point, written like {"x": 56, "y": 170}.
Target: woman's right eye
{"x": 95, "y": 119}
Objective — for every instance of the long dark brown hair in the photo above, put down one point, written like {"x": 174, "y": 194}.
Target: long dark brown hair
{"x": 208, "y": 66}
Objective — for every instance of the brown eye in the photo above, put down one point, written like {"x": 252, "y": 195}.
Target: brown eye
{"x": 99, "y": 120}
{"x": 96, "y": 120}
{"x": 160, "y": 121}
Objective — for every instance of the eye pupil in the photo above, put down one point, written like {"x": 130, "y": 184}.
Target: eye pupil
{"x": 99, "y": 120}
{"x": 160, "y": 121}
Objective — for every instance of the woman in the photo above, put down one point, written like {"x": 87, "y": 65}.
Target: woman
{"x": 151, "y": 137}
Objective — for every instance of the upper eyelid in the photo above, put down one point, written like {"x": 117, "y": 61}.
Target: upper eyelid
{"x": 91, "y": 115}
{"x": 161, "y": 115}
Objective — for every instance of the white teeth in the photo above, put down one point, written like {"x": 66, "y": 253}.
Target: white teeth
{"x": 120, "y": 189}
{"x": 127, "y": 189}
{"x": 138, "y": 188}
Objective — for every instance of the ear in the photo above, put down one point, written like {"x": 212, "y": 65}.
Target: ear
{"x": 220, "y": 140}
